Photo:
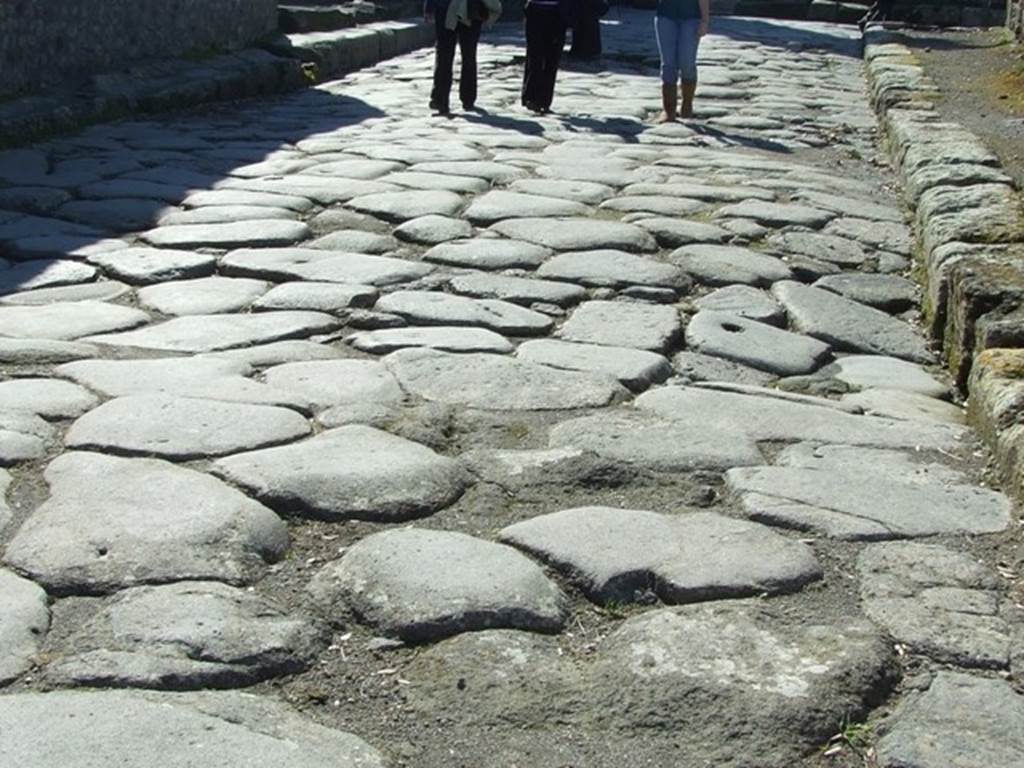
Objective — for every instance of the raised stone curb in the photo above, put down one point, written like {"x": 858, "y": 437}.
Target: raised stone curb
{"x": 970, "y": 242}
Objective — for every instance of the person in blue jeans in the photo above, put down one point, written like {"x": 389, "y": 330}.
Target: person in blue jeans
{"x": 679, "y": 25}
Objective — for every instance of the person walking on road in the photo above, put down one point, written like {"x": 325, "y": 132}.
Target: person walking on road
{"x": 546, "y": 23}
{"x": 679, "y": 25}
{"x": 457, "y": 22}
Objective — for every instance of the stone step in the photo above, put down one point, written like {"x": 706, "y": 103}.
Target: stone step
{"x": 311, "y": 16}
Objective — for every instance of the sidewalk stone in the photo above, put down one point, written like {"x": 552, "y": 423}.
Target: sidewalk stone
{"x": 173, "y": 730}
{"x": 422, "y": 586}
{"x": 112, "y": 523}
{"x": 187, "y": 635}
{"x": 24, "y": 620}
{"x": 620, "y": 554}
{"x": 348, "y": 473}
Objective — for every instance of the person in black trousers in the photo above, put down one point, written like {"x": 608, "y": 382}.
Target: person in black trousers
{"x": 546, "y": 22}
{"x": 467, "y": 37}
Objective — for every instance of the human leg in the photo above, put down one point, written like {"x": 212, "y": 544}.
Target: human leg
{"x": 666, "y": 32}
{"x": 689, "y": 39}
{"x": 444, "y": 57}
{"x": 469, "y": 37}
{"x": 554, "y": 42}
{"x": 534, "y": 56}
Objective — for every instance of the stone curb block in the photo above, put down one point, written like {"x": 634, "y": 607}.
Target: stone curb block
{"x": 970, "y": 245}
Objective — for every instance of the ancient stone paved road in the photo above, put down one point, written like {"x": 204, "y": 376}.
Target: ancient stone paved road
{"x": 492, "y": 441}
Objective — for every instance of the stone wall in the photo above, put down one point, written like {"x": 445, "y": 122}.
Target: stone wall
{"x": 966, "y": 13}
{"x": 44, "y": 43}
{"x": 1015, "y": 17}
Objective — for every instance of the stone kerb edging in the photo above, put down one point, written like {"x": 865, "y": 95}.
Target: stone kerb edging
{"x": 970, "y": 245}
{"x": 178, "y": 83}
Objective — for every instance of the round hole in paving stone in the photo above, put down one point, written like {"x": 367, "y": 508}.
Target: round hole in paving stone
{"x": 732, "y": 328}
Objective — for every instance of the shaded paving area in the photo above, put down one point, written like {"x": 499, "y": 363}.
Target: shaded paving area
{"x": 493, "y": 440}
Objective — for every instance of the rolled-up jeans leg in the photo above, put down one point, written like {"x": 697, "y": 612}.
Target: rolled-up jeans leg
{"x": 666, "y": 31}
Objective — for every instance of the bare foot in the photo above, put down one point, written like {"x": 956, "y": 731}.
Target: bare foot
{"x": 665, "y": 117}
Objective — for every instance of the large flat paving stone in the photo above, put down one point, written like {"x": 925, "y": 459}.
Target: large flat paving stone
{"x": 186, "y": 636}
{"x": 256, "y": 233}
{"x": 622, "y": 554}
{"x": 745, "y": 301}
{"x": 173, "y": 375}
{"x": 326, "y": 383}
{"x": 322, "y": 190}
{"x": 889, "y": 293}
{"x": 49, "y": 398}
{"x": 444, "y": 338}
{"x": 612, "y": 269}
{"x": 146, "y": 266}
{"x": 863, "y": 506}
{"x": 777, "y": 214}
{"x": 111, "y": 523}
{"x": 938, "y": 602}
{"x": 224, "y": 214}
{"x": 433, "y": 229}
{"x": 5, "y": 510}
{"x": 885, "y": 235}
{"x": 660, "y": 445}
{"x": 900, "y": 404}
{"x": 755, "y": 344}
{"x": 762, "y": 415}
{"x": 959, "y": 721}
{"x": 84, "y": 729}
{"x": 422, "y": 585}
{"x": 729, "y": 264}
{"x": 518, "y": 290}
{"x": 500, "y": 204}
{"x": 102, "y": 290}
{"x": 698, "y": 367}
{"x": 883, "y": 372}
{"x": 577, "y": 234}
{"x": 23, "y": 436}
{"x": 402, "y": 206}
{"x": 488, "y": 253}
{"x": 849, "y": 326}
{"x": 580, "y": 191}
{"x": 352, "y": 472}
{"x": 67, "y": 321}
{"x": 320, "y": 265}
{"x": 38, "y": 274}
{"x": 183, "y": 428}
{"x": 825, "y": 247}
{"x": 356, "y": 241}
{"x": 202, "y": 296}
{"x": 498, "y": 383}
{"x": 437, "y": 308}
{"x": 674, "y": 232}
{"x": 624, "y": 324}
{"x": 635, "y": 369}
{"x": 208, "y": 333}
{"x": 334, "y": 298}
{"x": 24, "y": 620}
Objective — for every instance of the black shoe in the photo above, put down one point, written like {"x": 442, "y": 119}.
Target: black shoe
{"x": 441, "y": 109}
{"x": 466, "y": 107}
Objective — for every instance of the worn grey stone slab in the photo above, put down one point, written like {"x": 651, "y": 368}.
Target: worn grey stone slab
{"x": 498, "y": 383}
{"x": 23, "y": 435}
{"x": 656, "y": 204}
{"x": 622, "y": 554}
{"x": 433, "y": 229}
{"x": 207, "y": 333}
{"x": 49, "y": 398}
{"x": 745, "y": 301}
{"x": 185, "y": 636}
{"x": 889, "y": 293}
{"x": 824, "y": 247}
{"x": 661, "y": 445}
{"x": 67, "y": 321}
{"x": 580, "y": 191}
{"x": 497, "y": 173}
{"x": 24, "y": 620}
{"x": 488, "y": 253}
{"x": 695, "y": 366}
{"x": 777, "y": 214}
{"x": 257, "y": 233}
{"x": 448, "y": 339}
{"x": 319, "y": 265}
{"x": 279, "y": 352}
{"x": 437, "y": 308}
{"x": 5, "y": 510}
{"x": 530, "y": 470}
{"x": 143, "y": 266}
{"x": 402, "y": 206}
{"x": 44, "y": 273}
{"x": 129, "y": 377}
{"x": 355, "y": 241}
{"x": 422, "y": 586}
{"x": 624, "y": 324}
{"x": 765, "y": 416}
{"x": 31, "y": 199}
{"x": 174, "y": 730}
{"x": 498, "y": 204}
{"x": 613, "y": 269}
{"x": 352, "y": 472}
{"x": 850, "y": 206}
{"x": 755, "y": 344}
{"x": 857, "y": 506}
{"x": 518, "y": 290}
{"x": 886, "y": 235}
{"x": 471, "y": 185}
{"x": 202, "y": 296}
{"x": 323, "y": 190}
{"x": 224, "y": 214}
{"x": 879, "y": 371}
{"x": 43, "y": 351}
{"x": 960, "y": 720}
{"x": 937, "y": 602}
{"x": 900, "y": 466}
{"x": 118, "y": 214}
{"x": 111, "y": 523}
{"x": 577, "y": 234}
{"x": 635, "y": 369}
{"x": 354, "y": 169}
{"x": 900, "y": 404}
{"x": 238, "y": 197}
{"x": 674, "y": 232}
{"x": 849, "y": 326}
{"x": 317, "y": 297}
{"x": 103, "y": 290}
{"x": 326, "y": 383}
{"x": 183, "y": 428}
{"x": 728, "y": 264}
